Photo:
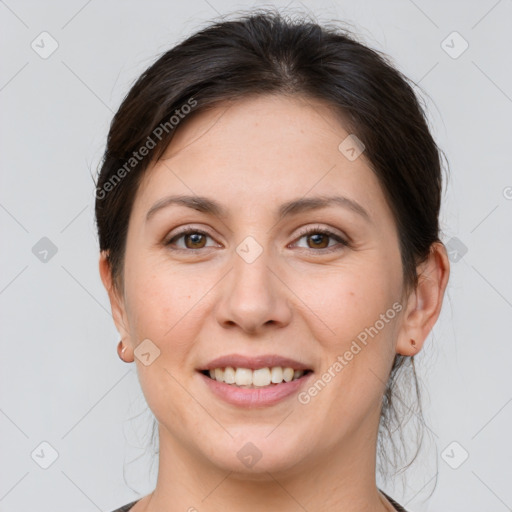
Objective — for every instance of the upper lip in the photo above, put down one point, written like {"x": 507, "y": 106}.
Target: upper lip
{"x": 254, "y": 362}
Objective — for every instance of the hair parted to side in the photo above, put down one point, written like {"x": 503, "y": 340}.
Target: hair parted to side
{"x": 267, "y": 52}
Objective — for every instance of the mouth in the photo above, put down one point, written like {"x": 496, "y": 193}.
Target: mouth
{"x": 254, "y": 381}
{"x": 258, "y": 378}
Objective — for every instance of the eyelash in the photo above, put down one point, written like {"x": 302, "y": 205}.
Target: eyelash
{"x": 309, "y": 231}
{"x": 324, "y": 231}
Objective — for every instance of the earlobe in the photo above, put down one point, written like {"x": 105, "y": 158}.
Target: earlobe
{"x": 410, "y": 349}
{"x": 121, "y": 353}
{"x": 424, "y": 305}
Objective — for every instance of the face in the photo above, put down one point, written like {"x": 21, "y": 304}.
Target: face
{"x": 258, "y": 284}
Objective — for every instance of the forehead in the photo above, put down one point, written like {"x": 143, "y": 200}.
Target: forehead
{"x": 264, "y": 148}
{"x": 272, "y": 118}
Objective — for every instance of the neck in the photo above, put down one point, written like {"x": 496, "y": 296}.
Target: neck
{"x": 342, "y": 479}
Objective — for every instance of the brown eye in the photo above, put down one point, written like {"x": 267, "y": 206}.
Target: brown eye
{"x": 193, "y": 239}
{"x": 319, "y": 238}
{"x": 196, "y": 240}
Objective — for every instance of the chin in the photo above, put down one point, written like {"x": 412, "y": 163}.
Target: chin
{"x": 254, "y": 453}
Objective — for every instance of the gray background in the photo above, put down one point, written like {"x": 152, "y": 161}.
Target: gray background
{"x": 61, "y": 381}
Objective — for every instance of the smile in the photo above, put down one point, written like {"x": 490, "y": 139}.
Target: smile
{"x": 258, "y": 378}
{"x": 254, "y": 380}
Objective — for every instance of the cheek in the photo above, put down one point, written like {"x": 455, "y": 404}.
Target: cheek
{"x": 161, "y": 307}
{"x": 162, "y": 303}
{"x": 350, "y": 299}
{"x": 360, "y": 307}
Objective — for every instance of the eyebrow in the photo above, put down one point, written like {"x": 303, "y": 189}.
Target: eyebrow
{"x": 294, "y": 207}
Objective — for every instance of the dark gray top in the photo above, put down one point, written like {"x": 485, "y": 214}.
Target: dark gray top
{"x": 126, "y": 508}
{"x": 398, "y": 507}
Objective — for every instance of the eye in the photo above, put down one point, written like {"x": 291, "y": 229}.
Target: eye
{"x": 193, "y": 239}
{"x": 319, "y": 236}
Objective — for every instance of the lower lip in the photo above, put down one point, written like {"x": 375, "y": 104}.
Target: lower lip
{"x": 255, "y": 397}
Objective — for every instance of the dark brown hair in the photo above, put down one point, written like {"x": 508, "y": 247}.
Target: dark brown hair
{"x": 266, "y": 52}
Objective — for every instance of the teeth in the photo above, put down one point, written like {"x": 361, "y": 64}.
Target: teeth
{"x": 276, "y": 375}
{"x": 261, "y": 377}
{"x": 229, "y": 375}
{"x": 288, "y": 374}
{"x": 243, "y": 377}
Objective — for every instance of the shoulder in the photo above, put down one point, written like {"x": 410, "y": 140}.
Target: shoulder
{"x": 397, "y": 506}
{"x": 126, "y": 508}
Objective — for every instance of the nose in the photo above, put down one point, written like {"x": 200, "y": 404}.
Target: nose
{"x": 253, "y": 297}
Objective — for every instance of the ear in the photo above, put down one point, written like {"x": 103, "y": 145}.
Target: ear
{"x": 424, "y": 303}
{"x": 116, "y": 300}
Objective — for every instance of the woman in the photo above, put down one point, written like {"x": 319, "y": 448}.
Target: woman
{"x": 267, "y": 211}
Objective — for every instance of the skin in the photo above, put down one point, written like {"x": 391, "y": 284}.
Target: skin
{"x": 295, "y": 300}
